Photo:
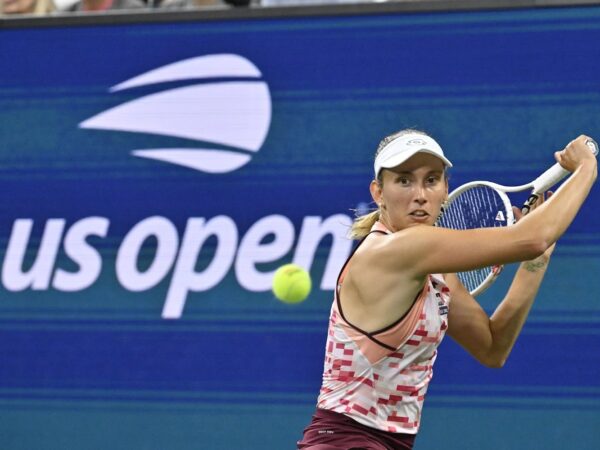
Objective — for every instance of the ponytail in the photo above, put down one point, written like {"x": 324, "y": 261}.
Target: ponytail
{"x": 362, "y": 225}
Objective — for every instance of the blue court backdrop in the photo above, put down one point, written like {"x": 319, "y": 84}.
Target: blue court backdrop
{"x": 154, "y": 175}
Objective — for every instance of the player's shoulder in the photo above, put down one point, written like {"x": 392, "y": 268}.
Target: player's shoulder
{"x": 378, "y": 248}
{"x": 373, "y": 242}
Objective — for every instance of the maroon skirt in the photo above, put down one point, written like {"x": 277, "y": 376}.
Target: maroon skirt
{"x": 329, "y": 430}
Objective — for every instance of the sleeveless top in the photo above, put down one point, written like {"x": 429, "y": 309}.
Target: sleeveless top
{"x": 380, "y": 378}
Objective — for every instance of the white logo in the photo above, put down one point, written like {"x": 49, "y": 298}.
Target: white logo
{"x": 233, "y": 113}
{"x": 416, "y": 142}
{"x": 500, "y": 216}
{"x": 176, "y": 256}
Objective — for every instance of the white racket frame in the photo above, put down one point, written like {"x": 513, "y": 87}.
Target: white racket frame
{"x": 538, "y": 186}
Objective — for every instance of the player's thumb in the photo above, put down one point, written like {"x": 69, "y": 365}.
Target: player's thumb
{"x": 558, "y": 156}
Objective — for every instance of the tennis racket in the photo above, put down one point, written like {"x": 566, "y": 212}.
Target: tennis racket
{"x": 483, "y": 204}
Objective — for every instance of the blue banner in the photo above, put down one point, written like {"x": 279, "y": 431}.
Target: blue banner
{"x": 156, "y": 174}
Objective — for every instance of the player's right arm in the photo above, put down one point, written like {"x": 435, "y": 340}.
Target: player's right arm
{"x": 400, "y": 261}
{"x": 423, "y": 249}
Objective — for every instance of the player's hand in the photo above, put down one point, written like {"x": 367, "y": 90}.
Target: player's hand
{"x": 544, "y": 257}
{"x": 576, "y": 154}
{"x": 519, "y": 214}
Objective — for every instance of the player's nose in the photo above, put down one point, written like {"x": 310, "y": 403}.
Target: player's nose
{"x": 420, "y": 196}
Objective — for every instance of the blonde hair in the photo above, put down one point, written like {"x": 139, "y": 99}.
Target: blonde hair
{"x": 362, "y": 224}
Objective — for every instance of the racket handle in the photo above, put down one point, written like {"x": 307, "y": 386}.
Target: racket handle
{"x": 556, "y": 173}
{"x": 542, "y": 183}
{"x": 549, "y": 178}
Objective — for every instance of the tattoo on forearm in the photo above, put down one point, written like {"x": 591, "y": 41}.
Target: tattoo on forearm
{"x": 534, "y": 266}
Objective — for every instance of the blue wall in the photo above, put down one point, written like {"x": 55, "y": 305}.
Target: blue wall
{"x": 90, "y": 362}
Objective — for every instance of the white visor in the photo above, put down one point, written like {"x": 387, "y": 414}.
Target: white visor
{"x": 405, "y": 146}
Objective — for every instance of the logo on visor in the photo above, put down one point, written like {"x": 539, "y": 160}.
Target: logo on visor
{"x": 227, "y": 109}
{"x": 416, "y": 142}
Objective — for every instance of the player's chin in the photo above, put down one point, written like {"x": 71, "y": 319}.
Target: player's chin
{"x": 420, "y": 220}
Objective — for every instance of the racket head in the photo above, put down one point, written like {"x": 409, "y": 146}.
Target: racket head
{"x": 478, "y": 204}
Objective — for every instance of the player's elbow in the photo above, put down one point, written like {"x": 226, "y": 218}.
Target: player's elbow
{"x": 537, "y": 247}
{"x": 532, "y": 243}
{"x": 492, "y": 358}
{"x": 494, "y": 363}
{"x": 533, "y": 247}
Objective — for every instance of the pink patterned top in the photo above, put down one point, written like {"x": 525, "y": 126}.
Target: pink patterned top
{"x": 380, "y": 378}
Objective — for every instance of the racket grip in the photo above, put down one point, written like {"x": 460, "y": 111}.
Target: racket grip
{"x": 556, "y": 173}
{"x": 549, "y": 178}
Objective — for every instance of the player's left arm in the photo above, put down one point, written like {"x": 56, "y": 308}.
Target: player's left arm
{"x": 491, "y": 339}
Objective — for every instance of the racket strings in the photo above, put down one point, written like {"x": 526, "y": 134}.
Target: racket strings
{"x": 477, "y": 207}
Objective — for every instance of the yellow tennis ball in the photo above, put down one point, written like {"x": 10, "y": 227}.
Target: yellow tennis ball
{"x": 291, "y": 283}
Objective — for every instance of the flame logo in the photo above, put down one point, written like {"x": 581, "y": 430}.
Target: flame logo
{"x": 233, "y": 113}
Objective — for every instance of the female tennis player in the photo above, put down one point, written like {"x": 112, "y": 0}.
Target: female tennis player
{"x": 397, "y": 294}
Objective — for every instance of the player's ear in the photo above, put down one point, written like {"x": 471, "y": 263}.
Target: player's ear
{"x": 446, "y": 181}
{"x": 375, "y": 187}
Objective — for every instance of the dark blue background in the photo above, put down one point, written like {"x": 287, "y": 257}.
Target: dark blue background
{"x": 499, "y": 90}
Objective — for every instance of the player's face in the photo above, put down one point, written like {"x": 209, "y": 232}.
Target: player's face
{"x": 411, "y": 193}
